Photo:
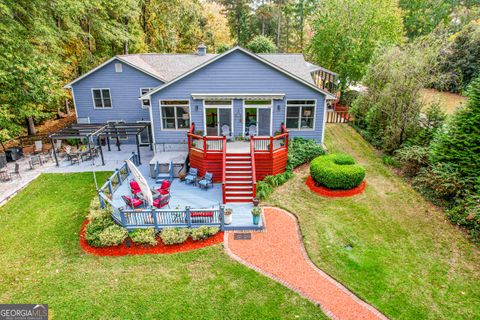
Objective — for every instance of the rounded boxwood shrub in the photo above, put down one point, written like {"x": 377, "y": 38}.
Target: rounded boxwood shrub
{"x": 203, "y": 232}
{"x": 174, "y": 235}
{"x": 336, "y": 171}
{"x": 112, "y": 236}
{"x": 144, "y": 236}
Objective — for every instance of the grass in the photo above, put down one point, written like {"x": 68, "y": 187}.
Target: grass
{"x": 42, "y": 262}
{"x": 407, "y": 259}
{"x": 448, "y": 101}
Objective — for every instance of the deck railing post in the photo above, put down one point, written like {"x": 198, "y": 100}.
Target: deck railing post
{"x": 271, "y": 146}
{"x": 123, "y": 218}
{"x": 189, "y": 218}
{"x": 117, "y": 172}
{"x": 204, "y": 147}
{"x": 222, "y": 218}
{"x": 110, "y": 187}
{"x": 155, "y": 219}
{"x": 100, "y": 199}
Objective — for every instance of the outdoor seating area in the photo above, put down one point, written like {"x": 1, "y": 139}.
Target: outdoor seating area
{"x": 174, "y": 203}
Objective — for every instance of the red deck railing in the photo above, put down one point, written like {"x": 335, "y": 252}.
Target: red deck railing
{"x": 224, "y": 168}
{"x": 254, "y": 172}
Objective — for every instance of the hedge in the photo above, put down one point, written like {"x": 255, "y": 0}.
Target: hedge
{"x": 337, "y": 171}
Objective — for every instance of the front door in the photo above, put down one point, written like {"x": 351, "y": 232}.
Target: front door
{"x": 257, "y": 121}
{"x": 218, "y": 118}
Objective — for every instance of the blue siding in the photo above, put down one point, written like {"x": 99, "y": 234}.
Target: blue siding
{"x": 124, "y": 89}
{"x": 236, "y": 73}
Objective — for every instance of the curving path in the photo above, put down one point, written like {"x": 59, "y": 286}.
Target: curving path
{"x": 279, "y": 254}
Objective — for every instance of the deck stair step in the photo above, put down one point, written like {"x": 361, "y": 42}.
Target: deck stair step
{"x": 238, "y": 176}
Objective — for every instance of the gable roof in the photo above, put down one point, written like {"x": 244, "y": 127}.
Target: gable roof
{"x": 296, "y": 72}
{"x": 171, "y": 67}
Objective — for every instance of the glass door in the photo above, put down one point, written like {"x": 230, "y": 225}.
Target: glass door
{"x": 144, "y": 136}
{"x": 211, "y": 117}
{"x": 264, "y": 121}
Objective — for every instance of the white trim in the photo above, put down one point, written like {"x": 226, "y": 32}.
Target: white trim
{"x": 161, "y": 117}
{"x": 232, "y": 96}
{"x": 101, "y": 94}
{"x": 300, "y": 115}
{"x": 150, "y": 113}
{"x": 263, "y": 106}
{"x": 327, "y": 94}
{"x": 218, "y": 107}
{"x": 138, "y": 134}
{"x": 149, "y": 99}
{"x": 74, "y": 103}
{"x": 69, "y": 85}
{"x": 324, "y": 120}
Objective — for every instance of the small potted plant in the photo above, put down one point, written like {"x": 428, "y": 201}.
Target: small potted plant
{"x": 256, "y": 211}
{"x": 228, "y": 215}
{"x": 256, "y": 201}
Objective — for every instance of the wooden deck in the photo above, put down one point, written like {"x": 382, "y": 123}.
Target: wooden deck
{"x": 183, "y": 196}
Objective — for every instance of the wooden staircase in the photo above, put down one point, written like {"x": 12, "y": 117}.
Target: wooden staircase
{"x": 238, "y": 178}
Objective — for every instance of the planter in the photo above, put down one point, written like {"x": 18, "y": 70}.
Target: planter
{"x": 228, "y": 216}
{"x": 256, "y": 201}
{"x": 256, "y": 220}
{"x": 256, "y": 212}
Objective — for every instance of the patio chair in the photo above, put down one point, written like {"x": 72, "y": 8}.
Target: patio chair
{"x": 132, "y": 202}
{"x": 38, "y": 148}
{"x": 73, "y": 158}
{"x": 34, "y": 160}
{"x": 191, "y": 176}
{"x": 252, "y": 130}
{"x": 16, "y": 171}
{"x": 206, "y": 181}
{"x": 226, "y": 131}
{"x": 134, "y": 187}
{"x": 162, "y": 202}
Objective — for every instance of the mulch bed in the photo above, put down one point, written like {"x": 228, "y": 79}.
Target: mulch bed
{"x": 326, "y": 192}
{"x": 136, "y": 249}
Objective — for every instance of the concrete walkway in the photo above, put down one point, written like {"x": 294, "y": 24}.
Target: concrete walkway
{"x": 279, "y": 254}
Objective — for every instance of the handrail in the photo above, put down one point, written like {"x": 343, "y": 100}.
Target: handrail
{"x": 254, "y": 174}
{"x": 224, "y": 165}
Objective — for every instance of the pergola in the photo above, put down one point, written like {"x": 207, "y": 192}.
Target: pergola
{"x": 108, "y": 130}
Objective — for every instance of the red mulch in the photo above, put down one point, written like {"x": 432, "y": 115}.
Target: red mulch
{"x": 136, "y": 249}
{"x": 326, "y": 192}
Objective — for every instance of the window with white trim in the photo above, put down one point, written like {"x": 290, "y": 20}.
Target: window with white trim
{"x": 145, "y": 102}
{"x": 102, "y": 98}
{"x": 300, "y": 114}
{"x": 118, "y": 67}
{"x": 175, "y": 114}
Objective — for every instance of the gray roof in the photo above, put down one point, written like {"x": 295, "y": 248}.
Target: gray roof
{"x": 171, "y": 66}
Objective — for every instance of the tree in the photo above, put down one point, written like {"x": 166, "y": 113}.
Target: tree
{"x": 222, "y": 47}
{"x": 347, "y": 32}
{"x": 459, "y": 144}
{"x": 261, "y": 44}
{"x": 216, "y": 28}
{"x": 238, "y": 14}
{"x": 389, "y": 111}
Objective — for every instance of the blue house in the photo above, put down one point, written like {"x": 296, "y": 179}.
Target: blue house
{"x": 236, "y": 89}
{"x": 197, "y": 101}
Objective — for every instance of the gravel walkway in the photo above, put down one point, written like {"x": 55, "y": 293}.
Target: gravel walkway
{"x": 279, "y": 254}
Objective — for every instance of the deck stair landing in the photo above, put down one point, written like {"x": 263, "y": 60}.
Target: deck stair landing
{"x": 238, "y": 178}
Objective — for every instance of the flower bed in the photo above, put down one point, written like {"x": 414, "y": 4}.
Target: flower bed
{"x": 136, "y": 249}
{"x": 326, "y": 192}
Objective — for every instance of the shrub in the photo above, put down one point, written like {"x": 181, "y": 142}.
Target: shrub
{"x": 256, "y": 211}
{"x": 263, "y": 190}
{"x": 174, "y": 235}
{"x": 112, "y": 236}
{"x": 261, "y": 44}
{"x": 412, "y": 159}
{"x": 390, "y": 161}
{"x": 144, "y": 236}
{"x": 466, "y": 213}
{"x": 203, "y": 232}
{"x": 95, "y": 227}
{"x": 301, "y": 151}
{"x": 337, "y": 171}
{"x": 222, "y": 47}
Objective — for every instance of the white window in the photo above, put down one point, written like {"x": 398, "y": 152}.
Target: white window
{"x": 102, "y": 98}
{"x": 300, "y": 114}
{"x": 118, "y": 67}
{"x": 175, "y": 114}
{"x": 145, "y": 102}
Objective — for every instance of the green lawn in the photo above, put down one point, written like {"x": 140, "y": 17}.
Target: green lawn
{"x": 407, "y": 260}
{"x": 42, "y": 262}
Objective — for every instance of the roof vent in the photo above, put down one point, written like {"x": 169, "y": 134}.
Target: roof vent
{"x": 202, "y": 50}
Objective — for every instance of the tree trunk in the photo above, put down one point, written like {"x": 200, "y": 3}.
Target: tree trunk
{"x": 125, "y": 44}
{"x": 67, "y": 107}
{"x": 287, "y": 22}
{"x": 279, "y": 22}
{"x": 31, "y": 126}
{"x": 238, "y": 26}
{"x": 301, "y": 24}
